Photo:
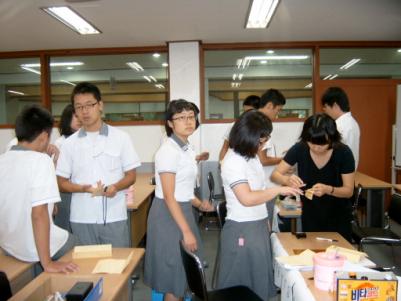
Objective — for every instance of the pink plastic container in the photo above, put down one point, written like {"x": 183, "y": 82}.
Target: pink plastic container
{"x": 324, "y": 266}
{"x": 129, "y": 195}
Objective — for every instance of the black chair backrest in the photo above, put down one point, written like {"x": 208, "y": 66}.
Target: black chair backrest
{"x": 5, "y": 289}
{"x": 194, "y": 272}
{"x": 210, "y": 183}
{"x": 357, "y": 197}
{"x": 394, "y": 211}
{"x": 221, "y": 210}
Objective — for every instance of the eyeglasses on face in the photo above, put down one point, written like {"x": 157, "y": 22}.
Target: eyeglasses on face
{"x": 85, "y": 107}
{"x": 185, "y": 118}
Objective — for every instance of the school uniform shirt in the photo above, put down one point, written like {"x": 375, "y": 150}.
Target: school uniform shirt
{"x": 59, "y": 142}
{"x": 226, "y": 135}
{"x": 88, "y": 157}
{"x": 270, "y": 150}
{"x": 236, "y": 170}
{"x": 27, "y": 180}
{"x": 175, "y": 156}
{"x": 350, "y": 133}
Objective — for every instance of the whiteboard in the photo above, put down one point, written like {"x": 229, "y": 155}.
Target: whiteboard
{"x": 398, "y": 129}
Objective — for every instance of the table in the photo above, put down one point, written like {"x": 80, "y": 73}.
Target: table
{"x": 293, "y": 215}
{"x": 376, "y": 192}
{"x": 397, "y": 187}
{"x": 138, "y": 210}
{"x": 115, "y": 286}
{"x": 296, "y": 285}
{"x": 19, "y": 273}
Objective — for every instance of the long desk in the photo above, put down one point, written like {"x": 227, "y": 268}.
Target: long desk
{"x": 138, "y": 210}
{"x": 19, "y": 273}
{"x": 376, "y": 193}
{"x": 115, "y": 286}
{"x": 297, "y": 285}
{"x": 397, "y": 187}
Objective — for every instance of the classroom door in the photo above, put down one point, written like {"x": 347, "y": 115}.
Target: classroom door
{"x": 373, "y": 105}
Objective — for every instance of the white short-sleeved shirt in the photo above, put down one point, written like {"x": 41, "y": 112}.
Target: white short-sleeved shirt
{"x": 270, "y": 150}
{"x": 350, "y": 132}
{"x": 59, "y": 141}
{"x": 85, "y": 159}
{"x": 226, "y": 135}
{"x": 176, "y": 157}
{"x": 235, "y": 170}
{"x": 27, "y": 179}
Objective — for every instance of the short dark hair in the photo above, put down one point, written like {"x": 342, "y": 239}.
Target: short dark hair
{"x": 31, "y": 122}
{"x": 321, "y": 129}
{"x": 252, "y": 101}
{"x": 245, "y": 135}
{"x": 274, "y": 96}
{"x": 177, "y": 106}
{"x": 336, "y": 95}
{"x": 65, "y": 121}
{"x": 86, "y": 87}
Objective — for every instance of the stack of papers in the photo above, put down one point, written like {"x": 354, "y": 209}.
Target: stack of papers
{"x": 112, "y": 266}
{"x": 351, "y": 255}
{"x": 92, "y": 251}
{"x": 304, "y": 259}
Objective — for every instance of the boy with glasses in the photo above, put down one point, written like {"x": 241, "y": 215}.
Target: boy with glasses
{"x": 96, "y": 164}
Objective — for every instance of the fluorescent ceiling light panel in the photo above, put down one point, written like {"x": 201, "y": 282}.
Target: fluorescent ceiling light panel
{"x": 349, "y": 64}
{"x": 152, "y": 78}
{"x": 147, "y": 78}
{"x": 234, "y": 76}
{"x": 327, "y": 77}
{"x": 71, "y": 19}
{"x": 15, "y": 92}
{"x": 165, "y": 65}
{"x": 235, "y": 85}
{"x": 276, "y": 57}
{"x": 135, "y": 66}
{"x": 333, "y": 76}
{"x": 308, "y": 85}
{"x": 156, "y": 55}
{"x": 67, "y": 82}
{"x": 270, "y": 51}
{"x": 399, "y": 50}
{"x": 59, "y": 64}
{"x": 30, "y": 69}
{"x": 159, "y": 86}
{"x": 261, "y": 12}
{"x": 240, "y": 76}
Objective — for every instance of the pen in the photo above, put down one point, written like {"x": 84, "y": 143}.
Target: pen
{"x": 326, "y": 239}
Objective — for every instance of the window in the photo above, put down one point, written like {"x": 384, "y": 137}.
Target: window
{"x": 19, "y": 86}
{"x": 133, "y": 86}
{"x": 232, "y": 75}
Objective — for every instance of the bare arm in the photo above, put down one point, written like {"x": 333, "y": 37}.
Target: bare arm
{"x": 344, "y": 191}
{"x": 267, "y": 160}
{"x": 128, "y": 179}
{"x": 168, "y": 186}
{"x": 281, "y": 175}
{"x": 41, "y": 232}
{"x": 65, "y": 185}
{"x": 223, "y": 150}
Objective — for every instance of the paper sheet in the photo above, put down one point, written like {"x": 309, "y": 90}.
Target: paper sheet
{"x": 352, "y": 255}
{"x": 92, "y": 251}
{"x": 112, "y": 266}
{"x": 303, "y": 259}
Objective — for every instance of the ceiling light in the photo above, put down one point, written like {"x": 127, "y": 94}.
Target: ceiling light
{"x": 260, "y": 13}
{"x": 327, "y": 77}
{"x": 165, "y": 65}
{"x": 349, "y": 64}
{"x": 55, "y": 64}
{"x": 240, "y": 76}
{"x": 30, "y": 69}
{"x": 156, "y": 55}
{"x": 235, "y": 85}
{"x": 333, "y": 76}
{"x": 71, "y": 19}
{"x": 270, "y": 51}
{"x": 277, "y": 57}
{"x": 135, "y": 66}
{"x": 67, "y": 82}
{"x": 15, "y": 92}
{"x": 263, "y": 62}
{"x": 234, "y": 76}
{"x": 70, "y": 68}
{"x": 399, "y": 50}
{"x": 147, "y": 78}
{"x": 152, "y": 78}
{"x": 159, "y": 86}
{"x": 308, "y": 85}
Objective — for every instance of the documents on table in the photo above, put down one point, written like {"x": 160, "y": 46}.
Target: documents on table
{"x": 352, "y": 255}
{"x": 92, "y": 251}
{"x": 112, "y": 266}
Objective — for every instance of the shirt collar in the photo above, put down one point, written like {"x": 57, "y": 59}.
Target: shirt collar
{"x": 344, "y": 116}
{"x": 104, "y": 131}
{"x": 19, "y": 148}
{"x": 181, "y": 144}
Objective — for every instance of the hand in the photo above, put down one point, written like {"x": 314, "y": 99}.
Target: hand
{"x": 202, "y": 156}
{"x": 190, "y": 241}
{"x": 98, "y": 190}
{"x": 206, "y": 206}
{"x": 286, "y": 190}
{"x": 53, "y": 151}
{"x": 295, "y": 181}
{"x": 60, "y": 267}
{"x": 110, "y": 191}
{"x": 320, "y": 189}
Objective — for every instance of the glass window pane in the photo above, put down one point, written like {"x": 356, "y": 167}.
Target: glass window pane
{"x": 232, "y": 75}
{"x": 343, "y": 63}
{"x": 19, "y": 86}
{"x": 135, "y": 91}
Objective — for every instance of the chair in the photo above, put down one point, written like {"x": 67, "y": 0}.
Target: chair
{"x": 380, "y": 236}
{"x": 213, "y": 199}
{"x": 5, "y": 289}
{"x": 221, "y": 210}
{"x": 197, "y": 282}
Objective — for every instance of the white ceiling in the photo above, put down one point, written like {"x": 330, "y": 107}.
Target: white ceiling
{"x": 134, "y": 23}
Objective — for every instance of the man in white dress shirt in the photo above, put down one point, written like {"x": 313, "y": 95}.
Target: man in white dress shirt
{"x": 336, "y": 104}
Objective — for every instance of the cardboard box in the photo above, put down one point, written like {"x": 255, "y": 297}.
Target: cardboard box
{"x": 377, "y": 286}
{"x": 46, "y": 285}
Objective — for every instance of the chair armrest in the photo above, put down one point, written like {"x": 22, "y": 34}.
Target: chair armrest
{"x": 375, "y": 240}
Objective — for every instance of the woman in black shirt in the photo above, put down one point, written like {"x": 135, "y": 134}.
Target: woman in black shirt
{"x": 326, "y": 172}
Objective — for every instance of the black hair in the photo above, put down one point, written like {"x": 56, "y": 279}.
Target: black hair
{"x": 65, "y": 121}
{"x": 336, "y": 95}
{"x": 177, "y": 106}
{"x": 245, "y": 135}
{"x": 31, "y": 122}
{"x": 86, "y": 87}
{"x": 274, "y": 96}
{"x": 321, "y": 129}
{"x": 252, "y": 101}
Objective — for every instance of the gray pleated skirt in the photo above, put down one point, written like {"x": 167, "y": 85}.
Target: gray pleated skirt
{"x": 246, "y": 258}
{"x": 164, "y": 271}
